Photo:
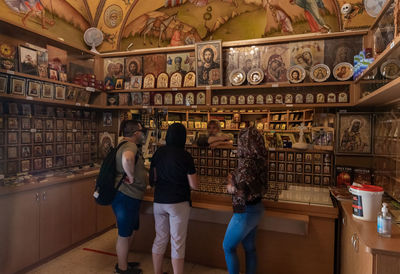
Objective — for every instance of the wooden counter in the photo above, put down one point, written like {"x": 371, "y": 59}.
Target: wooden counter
{"x": 363, "y": 250}
{"x": 43, "y": 219}
{"x": 292, "y": 238}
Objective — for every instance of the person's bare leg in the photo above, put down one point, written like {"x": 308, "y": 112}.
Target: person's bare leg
{"x": 177, "y": 265}
{"x": 157, "y": 263}
{"x": 122, "y": 247}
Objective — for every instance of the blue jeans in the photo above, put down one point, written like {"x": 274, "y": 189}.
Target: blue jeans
{"x": 127, "y": 211}
{"x": 242, "y": 229}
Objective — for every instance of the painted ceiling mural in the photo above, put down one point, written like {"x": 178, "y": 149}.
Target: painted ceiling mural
{"x": 135, "y": 24}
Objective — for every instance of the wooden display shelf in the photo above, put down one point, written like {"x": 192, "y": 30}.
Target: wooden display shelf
{"x": 381, "y": 14}
{"x": 217, "y": 88}
{"x": 36, "y": 34}
{"x": 47, "y": 101}
{"x": 385, "y": 55}
{"x": 34, "y": 77}
{"x": 249, "y": 42}
{"x": 386, "y": 95}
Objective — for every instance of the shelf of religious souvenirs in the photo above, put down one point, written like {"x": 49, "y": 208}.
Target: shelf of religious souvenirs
{"x": 25, "y": 87}
{"x": 26, "y": 181}
{"x": 36, "y": 137}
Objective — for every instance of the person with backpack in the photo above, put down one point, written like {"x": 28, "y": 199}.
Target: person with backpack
{"x": 131, "y": 171}
{"x": 247, "y": 184}
{"x": 173, "y": 174}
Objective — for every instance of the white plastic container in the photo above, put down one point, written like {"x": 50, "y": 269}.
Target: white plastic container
{"x": 367, "y": 200}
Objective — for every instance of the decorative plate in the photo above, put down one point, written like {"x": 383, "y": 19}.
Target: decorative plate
{"x": 237, "y": 77}
{"x": 278, "y": 99}
{"x": 255, "y": 76}
{"x": 250, "y": 100}
{"x": 224, "y": 100}
{"x": 201, "y": 98}
{"x": 179, "y": 99}
{"x": 343, "y": 71}
{"x": 176, "y": 80}
{"x": 320, "y": 98}
{"x": 289, "y": 99}
{"x": 390, "y": 69}
{"x": 260, "y": 99}
{"x": 299, "y": 98}
{"x": 331, "y": 98}
{"x": 242, "y": 100}
{"x": 190, "y": 80}
{"x": 215, "y": 100}
{"x": 149, "y": 81}
{"x": 162, "y": 80}
{"x": 309, "y": 98}
{"x": 296, "y": 74}
{"x": 232, "y": 100}
{"x": 320, "y": 73}
{"x": 373, "y": 7}
{"x": 168, "y": 98}
{"x": 343, "y": 97}
{"x": 158, "y": 99}
{"x": 269, "y": 99}
{"x": 189, "y": 98}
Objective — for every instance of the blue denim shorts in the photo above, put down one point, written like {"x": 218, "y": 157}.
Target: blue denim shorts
{"x": 127, "y": 211}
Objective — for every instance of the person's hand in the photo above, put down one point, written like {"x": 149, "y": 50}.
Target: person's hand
{"x": 231, "y": 188}
{"x": 129, "y": 180}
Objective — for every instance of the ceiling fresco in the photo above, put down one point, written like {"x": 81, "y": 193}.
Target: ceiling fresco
{"x": 136, "y": 24}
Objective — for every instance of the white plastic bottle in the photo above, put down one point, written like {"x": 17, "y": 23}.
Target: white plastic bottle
{"x": 385, "y": 222}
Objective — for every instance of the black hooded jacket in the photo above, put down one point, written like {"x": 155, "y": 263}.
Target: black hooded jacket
{"x": 170, "y": 166}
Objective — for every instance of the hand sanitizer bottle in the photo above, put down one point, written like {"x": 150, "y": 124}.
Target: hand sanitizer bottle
{"x": 385, "y": 222}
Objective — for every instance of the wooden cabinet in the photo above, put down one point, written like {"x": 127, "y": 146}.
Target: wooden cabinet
{"x": 19, "y": 231}
{"x": 55, "y": 219}
{"x": 105, "y": 217}
{"x": 83, "y": 210}
{"x": 354, "y": 256}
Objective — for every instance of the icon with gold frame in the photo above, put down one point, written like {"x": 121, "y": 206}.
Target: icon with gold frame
{"x": 190, "y": 80}
{"x": 176, "y": 80}
{"x": 149, "y": 81}
{"x": 162, "y": 80}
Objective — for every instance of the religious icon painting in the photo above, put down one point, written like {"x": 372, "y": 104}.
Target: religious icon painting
{"x": 60, "y": 92}
{"x": 320, "y": 73}
{"x": 289, "y": 99}
{"x": 306, "y": 54}
{"x": 17, "y": 86}
{"x": 133, "y": 66}
{"x": 299, "y": 98}
{"x": 179, "y": 99}
{"x": 331, "y": 98}
{"x": 149, "y": 81}
{"x": 158, "y": 100}
{"x": 224, "y": 100}
{"x": 209, "y": 63}
{"x": 354, "y": 133}
{"x": 201, "y": 98}
{"x": 176, "y": 80}
{"x": 180, "y": 62}
{"x": 232, "y": 100}
{"x": 154, "y": 63}
{"x": 279, "y": 99}
{"x": 48, "y": 90}
{"x": 260, "y": 99}
{"x": 189, "y": 80}
{"x": 343, "y": 98}
{"x": 34, "y": 88}
{"x": 215, "y": 100}
{"x": 28, "y": 61}
{"x": 320, "y": 98}
{"x": 274, "y": 62}
{"x": 269, "y": 99}
{"x": 3, "y": 83}
{"x": 189, "y": 98}
{"x": 250, "y": 100}
{"x": 309, "y": 98}
{"x": 162, "y": 80}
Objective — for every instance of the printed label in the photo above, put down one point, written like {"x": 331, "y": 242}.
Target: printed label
{"x": 10, "y": 72}
{"x": 357, "y": 206}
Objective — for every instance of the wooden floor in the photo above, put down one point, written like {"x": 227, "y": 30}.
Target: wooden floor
{"x": 83, "y": 261}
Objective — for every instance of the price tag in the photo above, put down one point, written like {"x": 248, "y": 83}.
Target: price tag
{"x": 74, "y": 130}
{"x": 145, "y": 107}
{"x": 43, "y": 181}
{"x": 33, "y": 130}
{"x": 275, "y": 85}
{"x": 91, "y": 89}
{"x": 271, "y": 149}
{"x": 78, "y": 104}
{"x": 289, "y": 105}
{"x": 392, "y": 45}
{"x": 174, "y": 89}
{"x": 10, "y": 72}
{"x": 30, "y": 98}
{"x": 194, "y": 106}
{"x": 87, "y": 105}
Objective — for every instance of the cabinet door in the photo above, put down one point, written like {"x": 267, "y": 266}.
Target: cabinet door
{"x": 19, "y": 231}
{"x": 83, "y": 210}
{"x": 55, "y": 219}
{"x": 105, "y": 217}
{"x": 354, "y": 257}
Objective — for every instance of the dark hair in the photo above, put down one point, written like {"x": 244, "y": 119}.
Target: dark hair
{"x": 128, "y": 128}
{"x": 176, "y": 135}
{"x": 211, "y": 51}
{"x": 178, "y": 59}
{"x": 214, "y": 123}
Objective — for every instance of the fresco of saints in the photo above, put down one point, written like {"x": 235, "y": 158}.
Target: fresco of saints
{"x": 311, "y": 12}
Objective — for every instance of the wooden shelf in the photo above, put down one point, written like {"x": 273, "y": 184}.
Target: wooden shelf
{"x": 47, "y": 101}
{"x": 249, "y": 42}
{"x": 32, "y": 35}
{"x": 217, "y": 88}
{"x": 384, "y": 56}
{"x": 386, "y": 95}
{"x": 24, "y": 75}
{"x": 381, "y": 14}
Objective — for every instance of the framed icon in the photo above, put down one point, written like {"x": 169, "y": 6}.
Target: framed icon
{"x": 209, "y": 63}
{"x": 17, "y": 86}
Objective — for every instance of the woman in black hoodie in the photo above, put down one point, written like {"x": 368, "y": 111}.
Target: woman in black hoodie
{"x": 173, "y": 174}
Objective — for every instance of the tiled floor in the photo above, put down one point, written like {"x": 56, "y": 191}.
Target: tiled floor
{"x": 80, "y": 261}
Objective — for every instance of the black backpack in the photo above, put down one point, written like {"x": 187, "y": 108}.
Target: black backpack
{"x": 105, "y": 189}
